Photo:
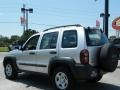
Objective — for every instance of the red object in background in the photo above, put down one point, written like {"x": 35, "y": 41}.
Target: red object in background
{"x": 116, "y": 24}
{"x": 22, "y": 19}
{"x": 97, "y": 23}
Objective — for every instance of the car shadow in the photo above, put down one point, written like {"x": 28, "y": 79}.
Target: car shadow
{"x": 42, "y": 82}
{"x": 118, "y": 67}
{"x": 35, "y": 80}
{"x": 96, "y": 86}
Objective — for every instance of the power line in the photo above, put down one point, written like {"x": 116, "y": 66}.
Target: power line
{"x": 60, "y": 11}
{"x": 9, "y": 22}
{"x": 29, "y": 23}
{"x": 42, "y": 24}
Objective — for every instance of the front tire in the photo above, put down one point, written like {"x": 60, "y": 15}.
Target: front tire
{"x": 62, "y": 79}
{"x": 10, "y": 71}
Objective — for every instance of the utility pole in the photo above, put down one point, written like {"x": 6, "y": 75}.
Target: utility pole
{"x": 106, "y": 16}
{"x": 103, "y": 16}
{"x": 23, "y": 21}
{"x": 24, "y": 18}
{"x": 25, "y": 13}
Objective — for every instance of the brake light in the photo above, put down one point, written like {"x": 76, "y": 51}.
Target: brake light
{"x": 84, "y": 56}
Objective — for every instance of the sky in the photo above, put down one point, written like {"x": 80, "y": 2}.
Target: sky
{"x": 50, "y": 13}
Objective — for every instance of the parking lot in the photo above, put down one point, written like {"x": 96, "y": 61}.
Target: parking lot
{"x": 32, "y": 81}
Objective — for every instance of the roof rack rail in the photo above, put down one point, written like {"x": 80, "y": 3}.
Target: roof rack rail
{"x": 78, "y": 25}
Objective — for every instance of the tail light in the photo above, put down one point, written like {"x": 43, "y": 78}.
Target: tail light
{"x": 84, "y": 56}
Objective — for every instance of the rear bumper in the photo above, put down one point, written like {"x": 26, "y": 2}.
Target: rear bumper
{"x": 84, "y": 72}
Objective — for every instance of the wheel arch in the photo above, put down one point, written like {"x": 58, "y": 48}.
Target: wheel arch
{"x": 61, "y": 62}
{"x": 10, "y": 59}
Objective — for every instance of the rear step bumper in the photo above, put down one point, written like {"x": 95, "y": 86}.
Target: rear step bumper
{"x": 84, "y": 72}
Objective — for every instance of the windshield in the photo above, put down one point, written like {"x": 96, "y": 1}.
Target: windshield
{"x": 95, "y": 37}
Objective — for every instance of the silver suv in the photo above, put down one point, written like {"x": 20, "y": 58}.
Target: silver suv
{"x": 65, "y": 53}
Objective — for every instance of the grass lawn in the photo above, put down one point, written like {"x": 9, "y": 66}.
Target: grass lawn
{"x": 4, "y": 49}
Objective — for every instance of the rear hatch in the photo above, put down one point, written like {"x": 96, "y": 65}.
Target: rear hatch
{"x": 95, "y": 39}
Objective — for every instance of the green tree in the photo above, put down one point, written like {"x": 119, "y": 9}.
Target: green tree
{"x": 26, "y": 35}
{"x": 4, "y": 41}
{"x": 14, "y": 38}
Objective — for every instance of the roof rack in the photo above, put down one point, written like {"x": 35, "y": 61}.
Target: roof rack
{"x": 78, "y": 25}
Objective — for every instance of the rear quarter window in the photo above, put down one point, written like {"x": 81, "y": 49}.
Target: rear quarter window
{"x": 94, "y": 37}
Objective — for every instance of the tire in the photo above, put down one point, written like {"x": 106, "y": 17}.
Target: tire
{"x": 108, "y": 58}
{"x": 10, "y": 71}
{"x": 62, "y": 79}
{"x": 98, "y": 78}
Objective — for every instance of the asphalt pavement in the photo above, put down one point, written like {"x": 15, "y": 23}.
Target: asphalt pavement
{"x": 2, "y": 54}
{"x": 33, "y": 81}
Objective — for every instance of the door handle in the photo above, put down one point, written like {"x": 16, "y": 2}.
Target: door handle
{"x": 32, "y": 53}
{"x": 53, "y": 52}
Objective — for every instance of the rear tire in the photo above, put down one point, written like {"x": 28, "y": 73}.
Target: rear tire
{"x": 10, "y": 71}
{"x": 62, "y": 79}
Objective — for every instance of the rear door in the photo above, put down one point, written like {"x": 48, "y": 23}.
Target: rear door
{"x": 68, "y": 46}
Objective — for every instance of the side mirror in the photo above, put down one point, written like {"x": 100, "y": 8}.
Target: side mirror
{"x": 22, "y": 48}
{"x": 18, "y": 47}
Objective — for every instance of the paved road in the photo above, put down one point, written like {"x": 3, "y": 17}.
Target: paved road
{"x": 2, "y": 54}
{"x": 110, "y": 81}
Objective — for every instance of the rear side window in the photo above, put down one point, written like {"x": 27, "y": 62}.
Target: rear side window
{"x": 95, "y": 37}
{"x": 69, "y": 39}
